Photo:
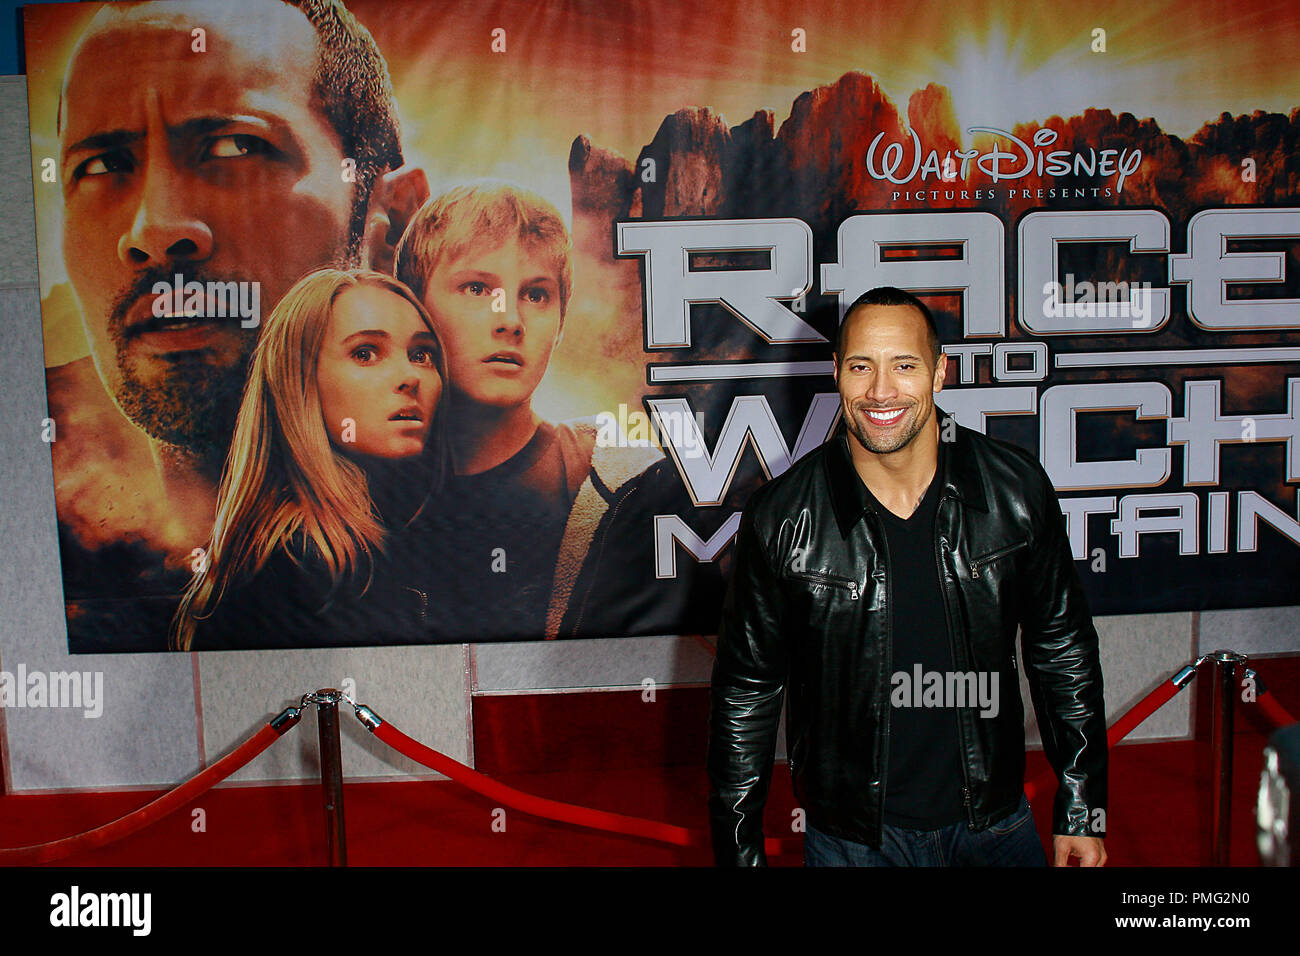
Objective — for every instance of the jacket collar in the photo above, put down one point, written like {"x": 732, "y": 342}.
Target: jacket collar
{"x": 960, "y": 475}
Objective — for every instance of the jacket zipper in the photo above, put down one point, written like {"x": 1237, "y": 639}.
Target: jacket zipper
{"x": 830, "y": 580}
{"x": 985, "y": 560}
{"x": 943, "y": 546}
{"x": 888, "y": 669}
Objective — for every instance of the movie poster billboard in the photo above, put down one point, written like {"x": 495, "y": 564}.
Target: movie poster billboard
{"x": 623, "y": 238}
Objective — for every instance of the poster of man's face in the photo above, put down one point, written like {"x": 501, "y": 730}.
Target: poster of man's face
{"x": 206, "y": 155}
{"x": 722, "y": 194}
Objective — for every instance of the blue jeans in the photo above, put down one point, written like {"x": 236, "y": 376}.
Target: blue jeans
{"x": 1012, "y": 841}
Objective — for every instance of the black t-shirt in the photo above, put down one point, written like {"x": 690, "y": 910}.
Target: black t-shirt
{"x": 498, "y": 536}
{"x": 923, "y": 777}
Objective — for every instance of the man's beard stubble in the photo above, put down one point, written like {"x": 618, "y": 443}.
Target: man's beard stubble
{"x": 192, "y": 405}
{"x": 863, "y": 438}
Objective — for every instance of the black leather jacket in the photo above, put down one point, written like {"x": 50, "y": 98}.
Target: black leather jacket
{"x": 809, "y": 612}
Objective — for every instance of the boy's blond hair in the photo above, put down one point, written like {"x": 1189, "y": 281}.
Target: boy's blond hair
{"x": 484, "y": 213}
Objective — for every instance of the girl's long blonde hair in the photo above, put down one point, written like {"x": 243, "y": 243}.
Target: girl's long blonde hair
{"x": 285, "y": 485}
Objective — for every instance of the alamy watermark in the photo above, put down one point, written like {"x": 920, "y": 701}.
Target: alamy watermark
{"x": 209, "y": 300}
{"x": 1098, "y": 300}
{"x": 72, "y": 689}
{"x": 76, "y": 908}
{"x": 919, "y": 688}
{"x": 636, "y": 429}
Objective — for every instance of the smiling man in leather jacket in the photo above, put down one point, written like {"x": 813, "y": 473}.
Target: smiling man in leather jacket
{"x": 880, "y": 582}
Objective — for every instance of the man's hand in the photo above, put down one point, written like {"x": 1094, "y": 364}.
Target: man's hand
{"x": 1091, "y": 851}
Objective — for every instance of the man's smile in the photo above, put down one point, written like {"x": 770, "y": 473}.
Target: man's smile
{"x": 885, "y": 416}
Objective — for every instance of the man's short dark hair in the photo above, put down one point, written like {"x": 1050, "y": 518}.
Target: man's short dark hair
{"x": 355, "y": 92}
{"x": 888, "y": 295}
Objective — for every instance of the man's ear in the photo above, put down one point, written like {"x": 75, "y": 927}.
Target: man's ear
{"x": 940, "y": 372}
{"x": 394, "y": 199}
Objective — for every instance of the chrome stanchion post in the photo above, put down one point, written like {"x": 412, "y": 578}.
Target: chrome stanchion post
{"x": 1222, "y": 702}
{"x": 331, "y": 774}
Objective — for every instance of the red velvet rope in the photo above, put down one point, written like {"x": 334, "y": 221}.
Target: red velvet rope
{"x": 538, "y": 806}
{"x": 150, "y": 812}
{"x": 1144, "y": 708}
{"x": 1273, "y": 710}
{"x": 1268, "y": 705}
{"x": 1139, "y": 712}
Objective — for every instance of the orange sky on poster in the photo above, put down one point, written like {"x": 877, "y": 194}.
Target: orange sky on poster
{"x": 613, "y": 71}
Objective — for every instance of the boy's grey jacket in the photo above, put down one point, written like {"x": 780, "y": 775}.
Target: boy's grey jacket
{"x": 601, "y": 474}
